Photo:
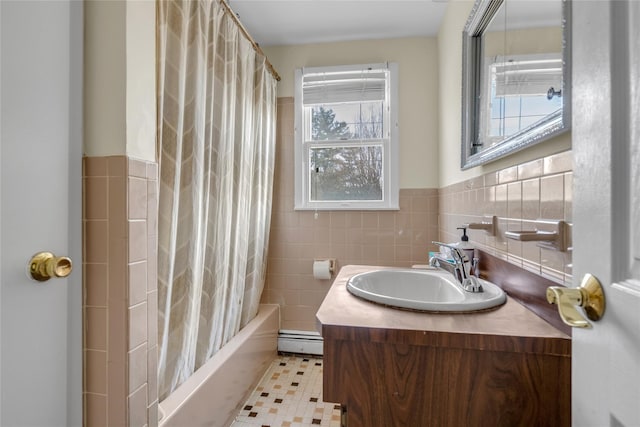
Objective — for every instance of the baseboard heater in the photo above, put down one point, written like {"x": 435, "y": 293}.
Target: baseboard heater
{"x": 299, "y": 342}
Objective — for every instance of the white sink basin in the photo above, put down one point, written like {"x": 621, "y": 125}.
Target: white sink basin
{"x": 425, "y": 290}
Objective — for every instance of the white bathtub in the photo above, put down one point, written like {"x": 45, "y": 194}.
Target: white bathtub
{"x": 214, "y": 394}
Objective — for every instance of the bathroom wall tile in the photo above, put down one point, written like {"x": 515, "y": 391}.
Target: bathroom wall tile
{"x": 137, "y": 198}
{"x": 137, "y": 367}
{"x": 117, "y": 397}
{"x": 94, "y": 166}
{"x": 501, "y": 241}
{"x": 152, "y": 318}
{"x": 514, "y": 200}
{"x": 303, "y": 236}
{"x": 137, "y": 408}
{"x": 95, "y": 328}
{"x": 473, "y": 183}
{"x": 422, "y": 238}
{"x": 420, "y": 253}
{"x": 568, "y": 197}
{"x": 95, "y": 371}
{"x": 501, "y": 201}
{"x": 152, "y": 171}
{"x": 369, "y": 237}
{"x": 489, "y": 201}
{"x": 490, "y": 179}
{"x": 95, "y": 197}
{"x": 419, "y": 204}
{"x": 282, "y": 296}
{"x": 514, "y": 247}
{"x": 300, "y": 313}
{"x": 137, "y": 282}
{"x": 95, "y": 284}
{"x": 137, "y": 168}
{"x": 117, "y": 207}
{"x": 370, "y": 254}
{"x": 96, "y": 238}
{"x": 419, "y": 220}
{"x": 310, "y": 298}
{"x": 338, "y": 236}
{"x": 321, "y": 236}
{"x": 306, "y": 220}
{"x": 508, "y": 175}
{"x": 95, "y": 410}
{"x": 299, "y": 325}
{"x": 386, "y": 220}
{"x": 117, "y": 269}
{"x": 118, "y": 331}
{"x": 403, "y": 253}
{"x": 532, "y": 169}
{"x": 354, "y": 219}
{"x": 552, "y": 197}
{"x": 302, "y": 251}
{"x": 370, "y": 220}
{"x": 557, "y": 163}
{"x": 531, "y": 199}
{"x": 152, "y": 208}
{"x": 152, "y": 263}
{"x": 386, "y": 238}
{"x": 152, "y": 375}
{"x": 137, "y": 240}
{"x": 137, "y": 325}
{"x": 117, "y": 166}
{"x": 338, "y": 219}
{"x": 404, "y": 202}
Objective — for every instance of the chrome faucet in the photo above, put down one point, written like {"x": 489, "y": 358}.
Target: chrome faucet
{"x": 459, "y": 268}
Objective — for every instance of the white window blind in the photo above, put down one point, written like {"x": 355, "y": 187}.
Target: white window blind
{"x": 348, "y": 86}
{"x": 527, "y": 74}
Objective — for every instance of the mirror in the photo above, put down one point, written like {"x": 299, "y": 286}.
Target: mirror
{"x": 515, "y": 77}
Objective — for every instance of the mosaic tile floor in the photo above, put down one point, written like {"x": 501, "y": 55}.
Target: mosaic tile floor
{"x": 290, "y": 394}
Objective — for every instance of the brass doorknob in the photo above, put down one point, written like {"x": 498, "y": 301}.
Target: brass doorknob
{"x": 45, "y": 265}
{"x": 589, "y": 296}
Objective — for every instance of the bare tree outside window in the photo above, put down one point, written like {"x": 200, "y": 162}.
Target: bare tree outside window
{"x": 343, "y": 170}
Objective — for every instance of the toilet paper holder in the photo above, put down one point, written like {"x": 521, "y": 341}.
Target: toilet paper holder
{"x": 332, "y": 263}
{"x": 324, "y": 268}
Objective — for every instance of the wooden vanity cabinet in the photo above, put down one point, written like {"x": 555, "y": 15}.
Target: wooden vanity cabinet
{"x": 389, "y": 379}
{"x": 396, "y": 368}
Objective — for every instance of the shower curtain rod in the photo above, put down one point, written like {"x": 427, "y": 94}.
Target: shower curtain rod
{"x": 255, "y": 45}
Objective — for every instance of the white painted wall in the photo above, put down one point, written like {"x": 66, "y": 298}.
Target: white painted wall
{"x": 417, "y": 60}
{"x": 120, "y": 84}
{"x": 450, "y": 71}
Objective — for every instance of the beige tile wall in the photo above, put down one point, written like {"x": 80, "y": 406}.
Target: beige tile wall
{"x": 120, "y": 292}
{"x": 540, "y": 189}
{"x": 393, "y": 238}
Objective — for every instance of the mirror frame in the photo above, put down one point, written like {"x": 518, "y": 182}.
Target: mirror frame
{"x": 554, "y": 124}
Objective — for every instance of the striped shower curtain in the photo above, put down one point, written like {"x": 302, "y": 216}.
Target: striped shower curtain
{"x": 216, "y": 137}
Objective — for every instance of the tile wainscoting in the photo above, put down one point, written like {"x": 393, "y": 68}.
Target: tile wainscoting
{"x": 518, "y": 195}
{"x": 120, "y": 298}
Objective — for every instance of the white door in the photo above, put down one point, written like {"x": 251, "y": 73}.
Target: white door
{"x": 606, "y": 232}
{"x": 40, "y": 170}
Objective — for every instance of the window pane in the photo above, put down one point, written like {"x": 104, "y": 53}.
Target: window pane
{"x": 362, "y": 120}
{"x": 345, "y": 173}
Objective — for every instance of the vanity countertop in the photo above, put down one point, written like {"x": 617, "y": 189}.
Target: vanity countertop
{"x": 510, "y": 327}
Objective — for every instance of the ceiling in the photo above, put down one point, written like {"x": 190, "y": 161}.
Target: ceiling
{"x": 288, "y": 22}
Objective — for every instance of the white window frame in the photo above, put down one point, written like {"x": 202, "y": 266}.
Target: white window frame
{"x": 390, "y": 186}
